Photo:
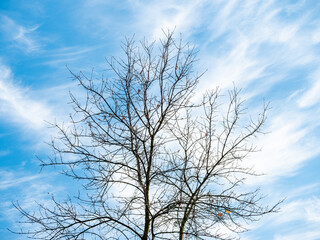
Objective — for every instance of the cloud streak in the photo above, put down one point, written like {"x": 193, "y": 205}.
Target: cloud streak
{"x": 14, "y": 181}
{"x": 23, "y": 37}
{"x": 17, "y": 106}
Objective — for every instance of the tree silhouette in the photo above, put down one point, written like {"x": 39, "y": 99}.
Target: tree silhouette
{"x": 155, "y": 163}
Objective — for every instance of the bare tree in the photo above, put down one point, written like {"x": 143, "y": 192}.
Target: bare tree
{"x": 154, "y": 162}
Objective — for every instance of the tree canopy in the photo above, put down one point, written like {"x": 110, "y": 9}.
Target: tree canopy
{"x": 156, "y": 161}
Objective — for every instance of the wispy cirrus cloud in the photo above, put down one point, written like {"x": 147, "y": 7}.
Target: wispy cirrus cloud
{"x": 4, "y": 153}
{"x": 303, "y": 233}
{"x": 303, "y": 217}
{"x": 183, "y": 16}
{"x": 67, "y": 55}
{"x": 311, "y": 95}
{"x": 35, "y": 189}
{"x": 291, "y": 142}
{"x": 298, "y": 217}
{"x": 8, "y": 180}
{"x": 17, "y": 106}
{"x": 251, "y": 44}
{"x": 21, "y": 36}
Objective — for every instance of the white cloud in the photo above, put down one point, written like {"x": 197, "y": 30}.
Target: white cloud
{"x": 4, "y": 153}
{"x": 288, "y": 145}
{"x": 29, "y": 191}
{"x": 298, "y": 217}
{"x": 167, "y": 15}
{"x": 13, "y": 180}
{"x": 17, "y": 106}
{"x": 257, "y": 46}
{"x": 312, "y": 95}
{"x": 304, "y": 214}
{"x": 147, "y": 18}
{"x": 67, "y": 55}
{"x": 303, "y": 233}
{"x": 22, "y": 36}
{"x": 306, "y": 210}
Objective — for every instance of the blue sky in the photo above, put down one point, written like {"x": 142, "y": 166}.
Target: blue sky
{"x": 270, "y": 49}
